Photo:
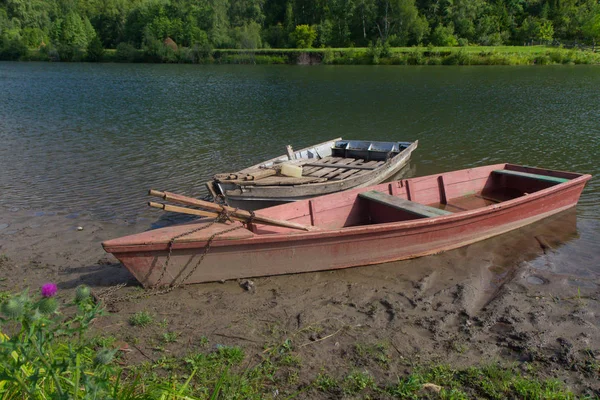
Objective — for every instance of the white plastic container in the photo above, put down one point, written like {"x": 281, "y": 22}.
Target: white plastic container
{"x": 291, "y": 170}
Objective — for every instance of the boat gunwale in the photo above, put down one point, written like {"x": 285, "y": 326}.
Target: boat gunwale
{"x": 285, "y": 155}
{"x": 344, "y": 232}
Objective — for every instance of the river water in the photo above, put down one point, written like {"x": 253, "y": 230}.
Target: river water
{"x": 93, "y": 138}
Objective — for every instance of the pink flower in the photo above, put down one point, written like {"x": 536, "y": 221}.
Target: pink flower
{"x": 49, "y": 289}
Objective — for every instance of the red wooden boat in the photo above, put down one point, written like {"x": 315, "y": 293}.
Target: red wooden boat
{"x": 386, "y": 222}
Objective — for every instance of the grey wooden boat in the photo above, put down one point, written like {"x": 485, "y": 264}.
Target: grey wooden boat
{"x": 328, "y": 167}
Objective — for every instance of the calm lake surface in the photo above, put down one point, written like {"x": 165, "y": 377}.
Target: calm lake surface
{"x": 93, "y": 138}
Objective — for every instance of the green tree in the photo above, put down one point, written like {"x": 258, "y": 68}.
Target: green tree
{"x": 324, "y": 33}
{"x": 248, "y": 36}
{"x": 444, "y": 36}
{"x": 95, "y": 51}
{"x": 339, "y": 15}
{"x": 33, "y": 37}
{"x": 303, "y": 36}
{"x": 364, "y": 16}
{"x": 73, "y": 31}
{"x": 109, "y": 20}
{"x": 243, "y": 12}
{"x": 591, "y": 28}
{"x": 12, "y": 49}
{"x": 545, "y": 31}
{"x": 219, "y": 23}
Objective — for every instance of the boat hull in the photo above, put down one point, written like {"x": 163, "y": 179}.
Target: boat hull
{"x": 348, "y": 247}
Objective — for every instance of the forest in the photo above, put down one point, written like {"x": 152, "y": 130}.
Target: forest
{"x": 69, "y": 26}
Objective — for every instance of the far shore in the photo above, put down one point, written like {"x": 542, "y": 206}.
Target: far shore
{"x": 418, "y": 55}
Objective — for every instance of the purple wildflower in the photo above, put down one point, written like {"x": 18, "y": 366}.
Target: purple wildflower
{"x": 49, "y": 289}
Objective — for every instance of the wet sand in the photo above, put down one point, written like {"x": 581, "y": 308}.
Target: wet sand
{"x": 529, "y": 295}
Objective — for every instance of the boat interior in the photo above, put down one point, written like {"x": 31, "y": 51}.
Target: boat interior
{"x": 335, "y": 160}
{"x": 417, "y": 198}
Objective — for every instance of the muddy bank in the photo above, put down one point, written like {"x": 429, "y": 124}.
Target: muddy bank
{"x": 518, "y": 298}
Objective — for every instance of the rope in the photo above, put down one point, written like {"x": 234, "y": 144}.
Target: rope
{"x": 221, "y": 218}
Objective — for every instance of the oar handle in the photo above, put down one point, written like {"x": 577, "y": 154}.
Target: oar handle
{"x": 156, "y": 205}
{"x": 156, "y": 193}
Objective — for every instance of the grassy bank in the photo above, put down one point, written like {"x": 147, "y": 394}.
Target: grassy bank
{"x": 470, "y": 55}
{"x": 47, "y": 351}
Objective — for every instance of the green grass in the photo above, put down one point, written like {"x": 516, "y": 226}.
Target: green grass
{"x": 169, "y": 337}
{"x": 141, "y": 319}
{"x": 357, "y": 381}
{"x": 492, "y": 381}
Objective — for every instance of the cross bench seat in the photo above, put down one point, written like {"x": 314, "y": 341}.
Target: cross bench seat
{"x": 545, "y": 178}
{"x": 402, "y": 204}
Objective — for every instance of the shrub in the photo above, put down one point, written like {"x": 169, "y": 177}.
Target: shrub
{"x": 444, "y": 36}
{"x": 460, "y": 57}
{"x": 12, "y": 49}
{"x": 69, "y": 52}
{"x": 275, "y": 36}
{"x": 328, "y": 56}
{"x": 200, "y": 52}
{"x": 303, "y": 36}
{"x": 95, "y": 51}
{"x": 416, "y": 57}
{"x": 126, "y": 53}
{"x": 374, "y": 52}
{"x": 557, "y": 56}
{"x": 248, "y": 36}
{"x": 543, "y": 59}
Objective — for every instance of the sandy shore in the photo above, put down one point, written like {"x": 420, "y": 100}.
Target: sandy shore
{"x": 505, "y": 299}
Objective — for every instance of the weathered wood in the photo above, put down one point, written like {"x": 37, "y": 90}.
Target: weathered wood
{"x": 290, "y": 152}
{"x": 278, "y": 181}
{"x": 336, "y": 171}
{"x": 256, "y": 196}
{"x": 190, "y": 201}
{"x": 404, "y": 205}
{"x": 342, "y": 166}
{"x": 545, "y": 178}
{"x": 285, "y": 181}
{"x": 317, "y": 165}
{"x": 328, "y": 169}
{"x": 260, "y": 174}
{"x": 185, "y": 210}
{"x": 356, "y": 173}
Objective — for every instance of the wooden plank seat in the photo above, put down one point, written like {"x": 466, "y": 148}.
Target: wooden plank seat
{"x": 545, "y": 178}
{"x": 402, "y": 204}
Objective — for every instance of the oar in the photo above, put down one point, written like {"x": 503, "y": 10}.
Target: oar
{"x": 184, "y": 210}
{"x": 241, "y": 214}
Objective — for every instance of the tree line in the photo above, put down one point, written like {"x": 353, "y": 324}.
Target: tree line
{"x": 72, "y": 25}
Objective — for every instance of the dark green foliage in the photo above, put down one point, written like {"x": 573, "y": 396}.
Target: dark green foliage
{"x": 444, "y": 36}
{"x": 127, "y": 53}
{"x": 69, "y": 52}
{"x": 12, "y": 49}
{"x": 95, "y": 53}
